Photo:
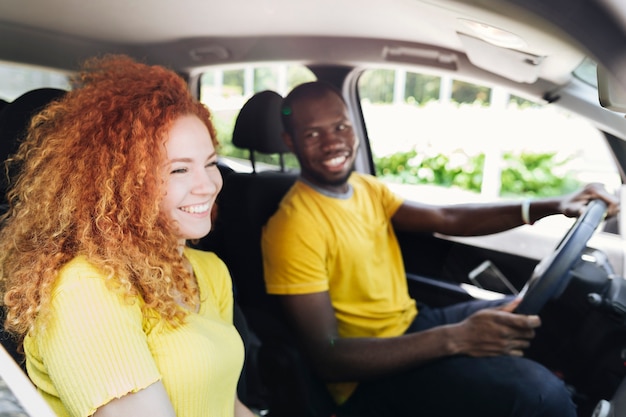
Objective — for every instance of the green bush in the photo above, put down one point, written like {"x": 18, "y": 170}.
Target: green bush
{"x": 526, "y": 174}
{"x": 533, "y": 175}
{"x": 409, "y": 168}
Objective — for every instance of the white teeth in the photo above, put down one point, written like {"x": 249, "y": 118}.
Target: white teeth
{"x": 335, "y": 161}
{"x": 196, "y": 209}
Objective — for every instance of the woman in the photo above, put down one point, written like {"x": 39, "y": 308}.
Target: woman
{"x": 118, "y": 316}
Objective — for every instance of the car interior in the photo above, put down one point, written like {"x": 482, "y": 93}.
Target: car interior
{"x": 536, "y": 49}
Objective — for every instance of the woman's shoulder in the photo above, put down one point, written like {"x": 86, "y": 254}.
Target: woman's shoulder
{"x": 205, "y": 260}
{"x": 202, "y": 256}
{"x": 79, "y": 268}
{"x": 80, "y": 275}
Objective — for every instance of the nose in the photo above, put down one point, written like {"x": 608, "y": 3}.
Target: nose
{"x": 329, "y": 140}
{"x": 208, "y": 181}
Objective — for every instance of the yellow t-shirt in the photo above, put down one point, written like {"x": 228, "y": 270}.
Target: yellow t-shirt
{"x": 345, "y": 246}
{"x": 96, "y": 347}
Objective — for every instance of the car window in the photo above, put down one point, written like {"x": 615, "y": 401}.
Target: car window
{"x": 226, "y": 89}
{"x": 437, "y": 139}
{"x": 15, "y": 80}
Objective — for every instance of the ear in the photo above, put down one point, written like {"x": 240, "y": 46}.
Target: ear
{"x": 288, "y": 141}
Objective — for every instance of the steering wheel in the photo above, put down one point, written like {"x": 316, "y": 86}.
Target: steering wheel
{"x": 552, "y": 274}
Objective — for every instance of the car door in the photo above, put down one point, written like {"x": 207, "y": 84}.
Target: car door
{"x": 441, "y": 140}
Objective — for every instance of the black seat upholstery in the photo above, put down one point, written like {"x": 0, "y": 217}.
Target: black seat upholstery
{"x": 14, "y": 120}
{"x": 258, "y": 127}
{"x": 246, "y": 202}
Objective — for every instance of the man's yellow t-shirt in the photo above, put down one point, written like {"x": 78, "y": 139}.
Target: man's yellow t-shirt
{"x": 344, "y": 245}
{"x": 96, "y": 347}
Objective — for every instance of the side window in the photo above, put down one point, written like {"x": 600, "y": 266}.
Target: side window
{"x": 16, "y": 79}
{"x": 442, "y": 140}
{"x": 226, "y": 89}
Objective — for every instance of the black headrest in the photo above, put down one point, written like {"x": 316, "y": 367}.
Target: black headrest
{"x": 16, "y": 115}
{"x": 14, "y": 120}
{"x": 258, "y": 126}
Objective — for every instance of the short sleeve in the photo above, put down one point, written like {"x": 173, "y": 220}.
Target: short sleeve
{"x": 93, "y": 346}
{"x": 390, "y": 200}
{"x": 294, "y": 252}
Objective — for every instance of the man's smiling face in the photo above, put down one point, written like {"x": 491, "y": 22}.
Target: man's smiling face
{"x": 323, "y": 141}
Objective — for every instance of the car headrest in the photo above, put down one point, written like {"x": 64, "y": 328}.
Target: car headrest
{"x": 258, "y": 127}
{"x": 14, "y": 120}
{"x": 16, "y": 115}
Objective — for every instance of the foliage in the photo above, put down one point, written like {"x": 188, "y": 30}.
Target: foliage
{"x": 377, "y": 86}
{"x": 298, "y": 74}
{"x": 421, "y": 88}
{"x": 534, "y": 175}
{"x": 409, "y": 168}
{"x": 232, "y": 84}
{"x": 467, "y": 93}
{"x": 527, "y": 174}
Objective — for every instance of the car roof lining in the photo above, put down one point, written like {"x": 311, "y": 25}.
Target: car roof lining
{"x": 163, "y": 35}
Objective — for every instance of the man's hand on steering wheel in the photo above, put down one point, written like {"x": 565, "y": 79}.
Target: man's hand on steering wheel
{"x": 553, "y": 273}
{"x": 574, "y": 204}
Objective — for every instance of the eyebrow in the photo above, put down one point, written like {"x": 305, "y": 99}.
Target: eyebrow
{"x": 214, "y": 154}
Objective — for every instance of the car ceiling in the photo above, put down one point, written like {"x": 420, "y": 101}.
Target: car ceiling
{"x": 189, "y": 34}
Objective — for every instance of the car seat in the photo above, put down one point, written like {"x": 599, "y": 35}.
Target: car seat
{"x": 258, "y": 127}
{"x": 14, "y": 120}
{"x": 246, "y": 202}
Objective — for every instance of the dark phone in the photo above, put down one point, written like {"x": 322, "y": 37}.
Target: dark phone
{"x": 487, "y": 276}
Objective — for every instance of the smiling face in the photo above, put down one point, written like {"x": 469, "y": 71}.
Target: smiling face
{"x": 323, "y": 140}
{"x": 192, "y": 177}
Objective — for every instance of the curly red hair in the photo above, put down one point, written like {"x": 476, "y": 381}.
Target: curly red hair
{"x": 90, "y": 184}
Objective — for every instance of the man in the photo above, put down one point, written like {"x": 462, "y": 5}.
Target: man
{"x": 330, "y": 251}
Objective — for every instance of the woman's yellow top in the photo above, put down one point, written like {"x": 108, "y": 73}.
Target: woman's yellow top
{"x": 95, "y": 346}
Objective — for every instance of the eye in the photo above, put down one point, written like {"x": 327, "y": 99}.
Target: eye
{"x": 343, "y": 126}
{"x": 178, "y": 170}
{"x": 211, "y": 164}
{"x": 312, "y": 134}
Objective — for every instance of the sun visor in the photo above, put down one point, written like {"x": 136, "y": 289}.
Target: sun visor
{"x": 611, "y": 92}
{"x": 515, "y": 65}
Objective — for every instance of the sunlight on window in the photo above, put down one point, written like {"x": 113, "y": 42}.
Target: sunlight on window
{"x": 16, "y": 79}
{"x": 475, "y": 140}
{"x": 226, "y": 89}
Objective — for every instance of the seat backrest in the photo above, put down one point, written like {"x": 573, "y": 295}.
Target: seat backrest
{"x": 248, "y": 200}
{"x": 245, "y": 204}
{"x": 14, "y": 120}
{"x": 258, "y": 127}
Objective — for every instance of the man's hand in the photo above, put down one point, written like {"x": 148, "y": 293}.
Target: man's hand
{"x": 493, "y": 332}
{"x": 573, "y": 204}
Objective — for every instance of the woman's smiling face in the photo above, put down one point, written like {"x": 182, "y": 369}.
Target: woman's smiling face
{"x": 192, "y": 177}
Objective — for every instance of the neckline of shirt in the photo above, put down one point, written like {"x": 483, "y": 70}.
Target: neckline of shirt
{"x": 327, "y": 193}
